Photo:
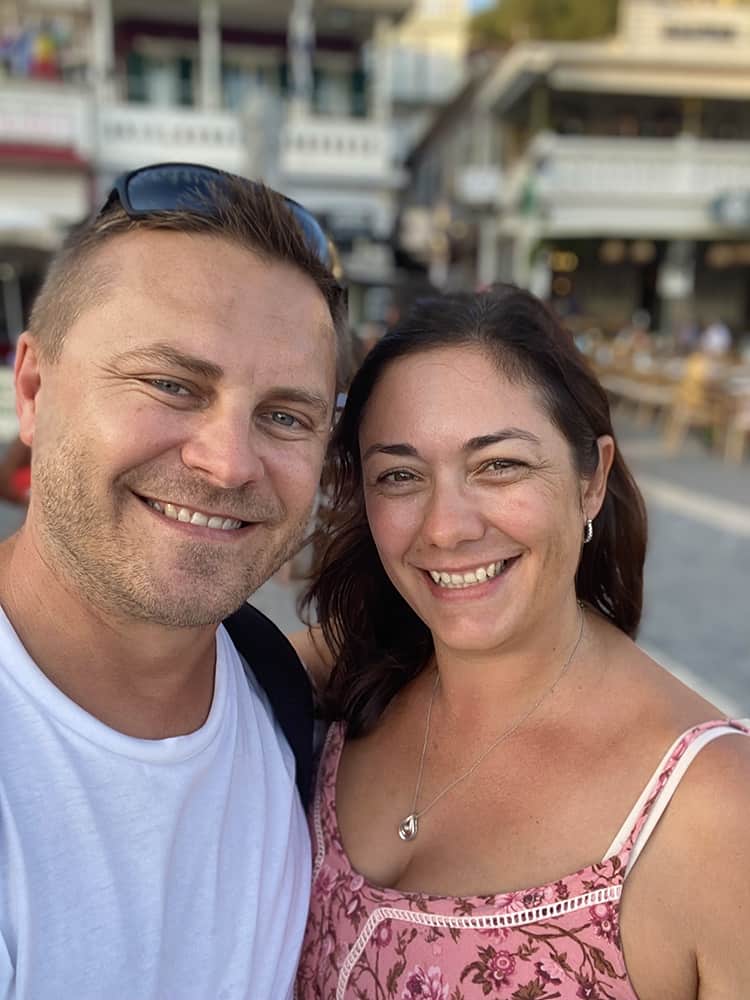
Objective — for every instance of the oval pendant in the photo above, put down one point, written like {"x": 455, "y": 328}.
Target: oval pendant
{"x": 408, "y": 827}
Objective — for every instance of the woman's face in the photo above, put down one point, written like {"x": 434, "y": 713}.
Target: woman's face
{"x": 473, "y": 500}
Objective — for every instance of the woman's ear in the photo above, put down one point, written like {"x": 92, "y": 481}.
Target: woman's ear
{"x": 28, "y": 381}
{"x": 595, "y": 488}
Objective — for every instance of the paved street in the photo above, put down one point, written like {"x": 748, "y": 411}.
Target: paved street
{"x": 697, "y": 595}
{"x": 697, "y": 600}
{"x": 697, "y": 605}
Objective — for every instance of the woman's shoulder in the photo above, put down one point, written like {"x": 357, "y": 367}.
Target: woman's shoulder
{"x": 704, "y": 755}
{"x": 694, "y": 870}
{"x": 648, "y": 692}
{"x": 644, "y": 710}
{"x": 717, "y": 796}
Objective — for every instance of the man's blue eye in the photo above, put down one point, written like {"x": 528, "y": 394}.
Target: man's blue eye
{"x": 285, "y": 419}
{"x": 171, "y": 388}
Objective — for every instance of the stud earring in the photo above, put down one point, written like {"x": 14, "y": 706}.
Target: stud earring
{"x": 588, "y": 531}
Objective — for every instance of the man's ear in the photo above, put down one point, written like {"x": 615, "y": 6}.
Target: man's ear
{"x": 596, "y": 487}
{"x": 28, "y": 382}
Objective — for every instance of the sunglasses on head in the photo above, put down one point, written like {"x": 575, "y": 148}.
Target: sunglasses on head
{"x": 172, "y": 187}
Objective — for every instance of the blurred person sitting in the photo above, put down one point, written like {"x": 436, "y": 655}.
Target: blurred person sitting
{"x": 716, "y": 339}
{"x": 698, "y": 400}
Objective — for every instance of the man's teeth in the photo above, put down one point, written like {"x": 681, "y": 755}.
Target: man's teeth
{"x": 460, "y": 580}
{"x": 188, "y": 516}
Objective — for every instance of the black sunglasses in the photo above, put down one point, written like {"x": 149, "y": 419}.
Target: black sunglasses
{"x": 170, "y": 187}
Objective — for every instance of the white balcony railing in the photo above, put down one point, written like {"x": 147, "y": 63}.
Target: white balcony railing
{"x": 337, "y": 149}
{"x": 130, "y": 135}
{"x": 639, "y": 183}
{"x": 308, "y": 148}
{"x": 668, "y": 167}
{"x": 49, "y": 116}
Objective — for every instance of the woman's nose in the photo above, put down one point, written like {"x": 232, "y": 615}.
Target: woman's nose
{"x": 452, "y": 516}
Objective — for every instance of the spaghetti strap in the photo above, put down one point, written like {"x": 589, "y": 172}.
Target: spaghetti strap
{"x": 643, "y": 818}
{"x": 623, "y": 834}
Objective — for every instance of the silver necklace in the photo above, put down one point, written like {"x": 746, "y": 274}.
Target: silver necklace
{"x": 408, "y": 828}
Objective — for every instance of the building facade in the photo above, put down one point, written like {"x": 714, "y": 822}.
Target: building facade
{"x": 614, "y": 175}
{"x": 297, "y": 92}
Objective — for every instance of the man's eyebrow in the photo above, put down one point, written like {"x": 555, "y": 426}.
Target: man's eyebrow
{"x": 293, "y": 394}
{"x": 473, "y": 444}
{"x": 506, "y": 434}
{"x": 167, "y": 354}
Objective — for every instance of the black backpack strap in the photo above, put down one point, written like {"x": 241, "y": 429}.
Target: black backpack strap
{"x": 278, "y": 670}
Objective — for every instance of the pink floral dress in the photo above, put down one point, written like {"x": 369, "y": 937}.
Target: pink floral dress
{"x": 552, "y": 942}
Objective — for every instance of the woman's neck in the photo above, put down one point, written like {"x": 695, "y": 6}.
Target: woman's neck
{"x": 506, "y": 680}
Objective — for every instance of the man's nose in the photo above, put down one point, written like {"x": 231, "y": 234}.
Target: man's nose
{"x": 224, "y": 447}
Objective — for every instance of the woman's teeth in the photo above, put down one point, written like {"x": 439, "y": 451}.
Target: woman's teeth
{"x": 458, "y": 581}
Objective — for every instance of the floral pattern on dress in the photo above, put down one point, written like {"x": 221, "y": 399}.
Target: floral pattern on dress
{"x": 554, "y": 942}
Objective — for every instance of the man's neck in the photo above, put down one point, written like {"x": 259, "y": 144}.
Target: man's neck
{"x": 143, "y": 679}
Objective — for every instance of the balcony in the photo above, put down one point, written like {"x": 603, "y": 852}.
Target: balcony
{"x": 130, "y": 135}
{"x": 339, "y": 150}
{"x": 45, "y": 122}
{"x": 353, "y": 151}
{"x": 343, "y": 169}
{"x": 580, "y": 185}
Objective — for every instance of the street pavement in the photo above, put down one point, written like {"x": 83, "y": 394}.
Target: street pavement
{"x": 697, "y": 594}
{"x": 697, "y": 585}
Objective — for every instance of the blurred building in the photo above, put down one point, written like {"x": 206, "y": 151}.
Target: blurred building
{"x": 611, "y": 175}
{"x": 427, "y": 53}
{"x": 310, "y": 95}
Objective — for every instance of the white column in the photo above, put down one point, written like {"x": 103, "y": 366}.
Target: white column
{"x": 675, "y": 284}
{"x": 102, "y": 50}
{"x": 487, "y": 265}
{"x": 382, "y": 70}
{"x": 526, "y": 238}
{"x": 300, "y": 47}
{"x": 210, "y": 54}
{"x": 439, "y": 266}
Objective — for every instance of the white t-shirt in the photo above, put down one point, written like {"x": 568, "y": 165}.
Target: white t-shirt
{"x": 130, "y": 869}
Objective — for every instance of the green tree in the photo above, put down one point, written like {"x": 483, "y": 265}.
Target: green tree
{"x": 556, "y": 20}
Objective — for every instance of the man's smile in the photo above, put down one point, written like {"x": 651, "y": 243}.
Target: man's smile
{"x": 189, "y": 515}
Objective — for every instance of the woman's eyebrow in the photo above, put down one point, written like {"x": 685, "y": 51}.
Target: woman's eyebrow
{"x": 473, "y": 444}
{"x": 506, "y": 434}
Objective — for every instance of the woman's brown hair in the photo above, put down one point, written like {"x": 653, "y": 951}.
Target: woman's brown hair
{"x": 379, "y": 643}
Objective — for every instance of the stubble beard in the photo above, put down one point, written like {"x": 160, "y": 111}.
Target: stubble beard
{"x": 110, "y": 570}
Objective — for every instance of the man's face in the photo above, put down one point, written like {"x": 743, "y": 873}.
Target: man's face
{"x": 178, "y": 440}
